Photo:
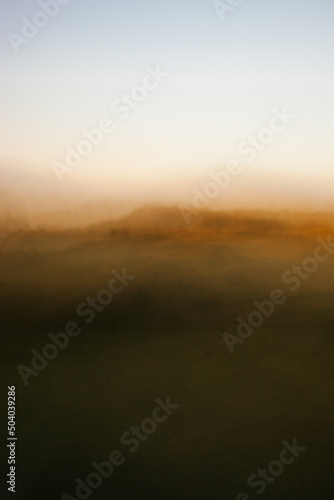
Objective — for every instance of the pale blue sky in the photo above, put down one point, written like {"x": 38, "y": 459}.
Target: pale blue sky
{"x": 225, "y": 79}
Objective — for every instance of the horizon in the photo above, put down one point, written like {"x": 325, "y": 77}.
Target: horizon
{"x": 103, "y": 215}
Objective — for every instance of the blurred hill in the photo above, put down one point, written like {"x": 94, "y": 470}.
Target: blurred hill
{"x": 152, "y": 221}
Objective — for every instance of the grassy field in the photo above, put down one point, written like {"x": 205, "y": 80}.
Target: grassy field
{"x": 163, "y": 336}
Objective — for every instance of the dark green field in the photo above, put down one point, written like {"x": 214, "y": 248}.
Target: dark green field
{"x": 162, "y": 336}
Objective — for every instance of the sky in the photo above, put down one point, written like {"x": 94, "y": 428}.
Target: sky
{"x": 223, "y": 80}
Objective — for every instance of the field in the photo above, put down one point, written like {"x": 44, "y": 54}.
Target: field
{"x": 162, "y": 335}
